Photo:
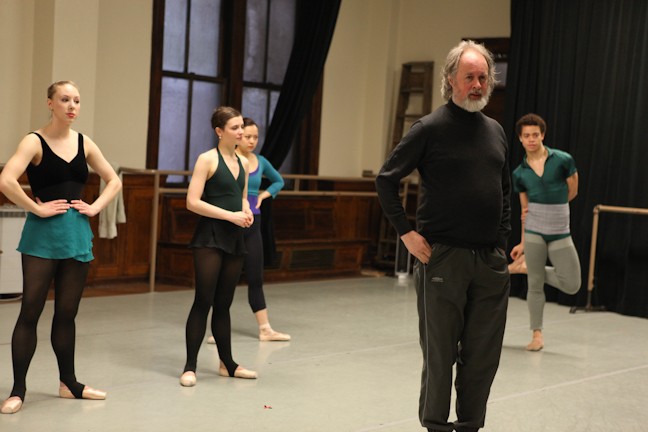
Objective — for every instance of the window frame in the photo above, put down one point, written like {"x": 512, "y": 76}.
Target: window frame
{"x": 231, "y": 69}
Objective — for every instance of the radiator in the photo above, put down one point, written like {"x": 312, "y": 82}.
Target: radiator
{"x": 12, "y": 220}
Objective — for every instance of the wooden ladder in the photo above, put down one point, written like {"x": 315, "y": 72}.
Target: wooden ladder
{"x": 414, "y": 98}
{"x": 414, "y": 102}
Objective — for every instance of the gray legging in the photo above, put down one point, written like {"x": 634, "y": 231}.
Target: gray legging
{"x": 564, "y": 275}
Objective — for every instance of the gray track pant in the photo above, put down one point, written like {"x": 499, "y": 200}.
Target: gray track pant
{"x": 565, "y": 274}
{"x": 462, "y": 298}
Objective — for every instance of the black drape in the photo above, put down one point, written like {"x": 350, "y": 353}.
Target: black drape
{"x": 313, "y": 33}
{"x": 582, "y": 65}
{"x": 315, "y": 23}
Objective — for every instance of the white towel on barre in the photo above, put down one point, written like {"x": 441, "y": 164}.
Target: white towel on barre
{"x": 113, "y": 213}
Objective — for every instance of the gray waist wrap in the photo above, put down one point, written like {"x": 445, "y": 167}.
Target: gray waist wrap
{"x": 548, "y": 218}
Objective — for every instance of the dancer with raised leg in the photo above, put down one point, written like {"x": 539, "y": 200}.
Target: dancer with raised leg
{"x": 546, "y": 181}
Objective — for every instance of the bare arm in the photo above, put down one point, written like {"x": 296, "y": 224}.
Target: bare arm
{"x": 263, "y": 195}
{"x": 205, "y": 166}
{"x": 28, "y": 149}
{"x": 100, "y": 165}
{"x": 572, "y": 186}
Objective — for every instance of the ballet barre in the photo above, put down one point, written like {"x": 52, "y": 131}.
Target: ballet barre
{"x": 296, "y": 185}
{"x": 598, "y": 209}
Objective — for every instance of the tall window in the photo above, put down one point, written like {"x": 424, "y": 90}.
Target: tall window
{"x": 201, "y": 59}
{"x": 269, "y": 30}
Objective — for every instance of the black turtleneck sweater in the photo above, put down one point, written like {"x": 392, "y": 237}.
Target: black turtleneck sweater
{"x": 462, "y": 159}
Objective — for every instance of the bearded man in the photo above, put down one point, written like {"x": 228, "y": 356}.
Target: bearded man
{"x": 463, "y": 222}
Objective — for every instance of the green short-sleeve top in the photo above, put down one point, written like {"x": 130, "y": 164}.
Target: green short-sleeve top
{"x": 551, "y": 187}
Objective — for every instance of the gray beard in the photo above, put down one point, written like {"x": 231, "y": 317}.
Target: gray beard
{"x": 474, "y": 106}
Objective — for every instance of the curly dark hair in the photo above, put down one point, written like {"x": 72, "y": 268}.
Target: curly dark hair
{"x": 530, "y": 120}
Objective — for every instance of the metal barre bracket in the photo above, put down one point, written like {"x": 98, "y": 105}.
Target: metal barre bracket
{"x": 600, "y": 208}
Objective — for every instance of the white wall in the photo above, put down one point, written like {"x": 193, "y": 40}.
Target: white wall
{"x": 372, "y": 39}
{"x": 123, "y": 80}
{"x": 42, "y": 64}
{"x": 102, "y": 45}
{"x": 105, "y": 46}
{"x": 75, "y": 54}
{"x": 357, "y": 98}
{"x": 16, "y": 48}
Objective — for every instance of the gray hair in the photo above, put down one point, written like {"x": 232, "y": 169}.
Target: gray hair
{"x": 452, "y": 64}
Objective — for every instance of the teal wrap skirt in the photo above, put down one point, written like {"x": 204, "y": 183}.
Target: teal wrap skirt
{"x": 63, "y": 236}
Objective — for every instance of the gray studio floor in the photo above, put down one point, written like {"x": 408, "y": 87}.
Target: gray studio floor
{"x": 353, "y": 365}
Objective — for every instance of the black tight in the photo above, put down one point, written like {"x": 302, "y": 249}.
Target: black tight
{"x": 69, "y": 278}
{"x": 254, "y": 265}
{"x": 217, "y": 274}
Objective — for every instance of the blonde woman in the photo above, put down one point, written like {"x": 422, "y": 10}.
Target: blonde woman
{"x": 56, "y": 242}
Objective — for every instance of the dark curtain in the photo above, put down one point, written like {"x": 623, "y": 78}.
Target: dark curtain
{"x": 314, "y": 28}
{"x": 582, "y": 65}
{"x": 313, "y": 33}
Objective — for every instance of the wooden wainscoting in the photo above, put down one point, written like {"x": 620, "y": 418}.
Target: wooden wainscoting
{"x": 323, "y": 236}
{"x": 174, "y": 260}
{"x": 316, "y": 237}
{"x": 324, "y": 227}
{"x": 126, "y": 257}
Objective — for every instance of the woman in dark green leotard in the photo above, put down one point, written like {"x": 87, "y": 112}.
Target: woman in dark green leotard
{"x": 217, "y": 192}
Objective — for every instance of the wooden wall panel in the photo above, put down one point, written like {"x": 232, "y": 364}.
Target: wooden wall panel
{"x": 136, "y": 234}
{"x": 299, "y": 217}
{"x": 316, "y": 236}
{"x": 126, "y": 257}
{"x": 177, "y": 223}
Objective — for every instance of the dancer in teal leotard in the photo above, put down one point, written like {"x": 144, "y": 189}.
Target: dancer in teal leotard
{"x": 547, "y": 181}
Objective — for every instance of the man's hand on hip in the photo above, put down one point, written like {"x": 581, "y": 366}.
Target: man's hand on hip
{"x": 417, "y": 246}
